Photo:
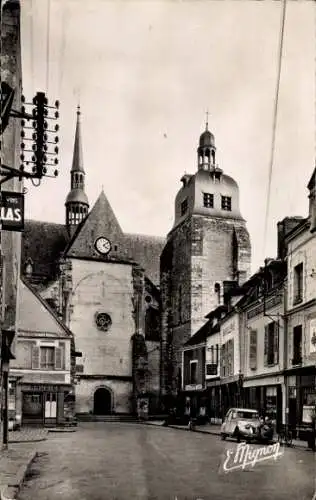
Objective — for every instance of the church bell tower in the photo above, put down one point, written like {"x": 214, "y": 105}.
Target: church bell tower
{"x": 77, "y": 205}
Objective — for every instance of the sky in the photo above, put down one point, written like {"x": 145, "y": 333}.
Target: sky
{"x": 145, "y": 72}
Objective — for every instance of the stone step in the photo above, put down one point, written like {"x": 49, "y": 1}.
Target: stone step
{"x": 86, "y": 417}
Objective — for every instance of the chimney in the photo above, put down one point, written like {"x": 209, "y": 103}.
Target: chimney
{"x": 284, "y": 227}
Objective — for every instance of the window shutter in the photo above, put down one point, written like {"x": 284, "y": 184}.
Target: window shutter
{"x": 222, "y": 360}
{"x": 232, "y": 357}
{"x": 266, "y": 341}
{"x": 276, "y": 342}
{"x": 58, "y": 358}
{"x": 253, "y": 350}
{"x": 35, "y": 357}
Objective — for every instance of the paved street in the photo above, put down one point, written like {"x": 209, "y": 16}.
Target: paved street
{"x": 126, "y": 461}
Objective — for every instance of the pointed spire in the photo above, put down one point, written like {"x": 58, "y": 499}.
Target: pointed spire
{"x": 206, "y": 124}
{"x": 77, "y": 161}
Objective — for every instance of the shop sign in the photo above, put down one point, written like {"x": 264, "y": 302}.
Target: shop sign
{"x": 312, "y": 332}
{"x": 41, "y": 388}
{"x": 12, "y": 211}
{"x": 193, "y": 387}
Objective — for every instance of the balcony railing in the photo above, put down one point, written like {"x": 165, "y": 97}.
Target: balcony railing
{"x": 297, "y": 360}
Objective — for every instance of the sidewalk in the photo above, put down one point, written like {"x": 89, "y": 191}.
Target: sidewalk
{"x": 215, "y": 429}
{"x": 14, "y": 464}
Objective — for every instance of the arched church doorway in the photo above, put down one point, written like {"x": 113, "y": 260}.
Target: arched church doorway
{"x": 102, "y": 402}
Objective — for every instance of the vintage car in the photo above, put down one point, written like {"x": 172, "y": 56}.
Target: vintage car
{"x": 242, "y": 423}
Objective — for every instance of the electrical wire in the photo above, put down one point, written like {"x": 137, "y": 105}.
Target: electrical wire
{"x": 275, "y": 117}
{"x": 32, "y": 12}
{"x": 62, "y": 47}
{"x": 47, "y": 45}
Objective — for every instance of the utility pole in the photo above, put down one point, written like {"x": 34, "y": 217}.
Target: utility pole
{"x": 3, "y": 379}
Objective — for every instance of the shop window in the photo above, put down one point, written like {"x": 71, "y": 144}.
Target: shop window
{"x": 298, "y": 284}
{"x": 193, "y": 372}
{"x": 297, "y": 345}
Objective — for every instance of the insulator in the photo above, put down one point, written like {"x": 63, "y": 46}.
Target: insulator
{"x": 56, "y": 161}
{"x": 45, "y": 112}
{"x": 23, "y": 110}
{"x": 44, "y": 170}
{"x": 34, "y": 112}
{"x": 57, "y": 104}
{"x": 21, "y": 168}
{"x": 22, "y": 133}
{"x": 45, "y": 137}
{"x": 22, "y": 145}
{"x": 34, "y": 147}
{"x": 45, "y": 125}
{"x": 56, "y": 139}
{"x": 34, "y": 137}
{"x": 22, "y": 123}
{"x": 45, "y": 100}
{"x": 44, "y": 158}
{"x": 22, "y": 157}
{"x": 34, "y": 100}
{"x": 22, "y": 98}
{"x": 33, "y": 158}
{"x": 56, "y": 150}
{"x": 56, "y": 114}
{"x": 56, "y": 127}
{"x": 34, "y": 124}
{"x": 34, "y": 169}
{"x": 45, "y": 147}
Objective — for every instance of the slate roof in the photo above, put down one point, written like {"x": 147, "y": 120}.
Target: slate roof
{"x": 43, "y": 243}
{"x": 146, "y": 250}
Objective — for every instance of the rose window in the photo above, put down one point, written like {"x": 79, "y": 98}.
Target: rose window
{"x": 103, "y": 321}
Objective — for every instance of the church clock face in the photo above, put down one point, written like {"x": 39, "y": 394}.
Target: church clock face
{"x": 102, "y": 245}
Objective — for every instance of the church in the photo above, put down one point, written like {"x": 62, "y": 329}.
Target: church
{"x": 104, "y": 286}
{"x": 132, "y": 301}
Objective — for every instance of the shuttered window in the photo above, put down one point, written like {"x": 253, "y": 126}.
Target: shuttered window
{"x": 253, "y": 350}
{"x": 35, "y": 357}
{"x": 271, "y": 343}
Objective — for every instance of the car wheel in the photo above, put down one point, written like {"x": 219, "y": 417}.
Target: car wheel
{"x": 237, "y": 435}
{"x": 223, "y": 437}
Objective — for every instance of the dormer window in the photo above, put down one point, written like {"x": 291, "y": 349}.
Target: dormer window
{"x": 226, "y": 203}
{"x": 184, "y": 206}
{"x": 208, "y": 200}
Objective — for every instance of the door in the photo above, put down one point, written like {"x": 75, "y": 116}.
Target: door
{"x": 50, "y": 407}
{"x": 102, "y": 404}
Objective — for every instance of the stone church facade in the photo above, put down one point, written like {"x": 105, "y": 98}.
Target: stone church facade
{"x": 207, "y": 252}
{"x": 104, "y": 285}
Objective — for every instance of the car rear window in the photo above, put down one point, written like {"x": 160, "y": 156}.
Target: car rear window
{"x": 247, "y": 414}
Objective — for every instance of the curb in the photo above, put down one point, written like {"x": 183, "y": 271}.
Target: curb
{"x": 10, "y": 491}
{"x": 213, "y": 433}
{"x": 61, "y": 430}
{"x": 28, "y": 441}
